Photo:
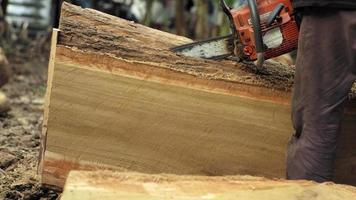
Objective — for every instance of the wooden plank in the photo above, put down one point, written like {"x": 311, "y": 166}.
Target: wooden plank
{"x": 51, "y": 63}
{"x": 119, "y": 99}
{"x": 105, "y": 185}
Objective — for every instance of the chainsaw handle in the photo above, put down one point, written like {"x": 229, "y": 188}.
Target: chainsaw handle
{"x": 275, "y": 13}
{"x": 255, "y": 19}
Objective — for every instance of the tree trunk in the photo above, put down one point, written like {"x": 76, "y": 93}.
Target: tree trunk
{"x": 118, "y": 98}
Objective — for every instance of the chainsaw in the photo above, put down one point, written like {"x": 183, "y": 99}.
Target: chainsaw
{"x": 261, "y": 30}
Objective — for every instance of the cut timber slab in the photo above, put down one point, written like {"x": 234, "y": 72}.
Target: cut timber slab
{"x": 119, "y": 99}
{"x": 106, "y": 185}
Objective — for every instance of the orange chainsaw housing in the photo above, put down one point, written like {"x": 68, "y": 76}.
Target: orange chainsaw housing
{"x": 281, "y": 37}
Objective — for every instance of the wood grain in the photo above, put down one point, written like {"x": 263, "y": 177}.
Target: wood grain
{"x": 105, "y": 185}
{"x": 151, "y": 127}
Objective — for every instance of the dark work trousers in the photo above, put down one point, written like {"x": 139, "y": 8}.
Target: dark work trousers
{"x": 325, "y": 72}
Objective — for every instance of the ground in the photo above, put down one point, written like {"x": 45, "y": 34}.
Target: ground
{"x": 20, "y": 130}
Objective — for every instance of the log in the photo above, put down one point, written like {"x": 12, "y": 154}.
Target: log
{"x": 105, "y": 185}
{"x": 118, "y": 98}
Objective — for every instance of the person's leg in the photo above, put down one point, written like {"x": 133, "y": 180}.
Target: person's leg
{"x": 322, "y": 81}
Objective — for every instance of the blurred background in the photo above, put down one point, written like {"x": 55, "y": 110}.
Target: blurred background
{"x": 197, "y": 19}
{"x": 192, "y": 18}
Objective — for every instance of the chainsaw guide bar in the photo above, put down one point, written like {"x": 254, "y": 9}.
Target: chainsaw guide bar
{"x": 214, "y": 48}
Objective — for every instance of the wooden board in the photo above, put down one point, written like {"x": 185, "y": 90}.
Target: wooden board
{"x": 105, "y": 185}
{"x": 119, "y": 99}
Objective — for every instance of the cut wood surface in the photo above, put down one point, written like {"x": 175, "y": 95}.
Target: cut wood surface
{"x": 119, "y": 99}
{"x": 105, "y": 185}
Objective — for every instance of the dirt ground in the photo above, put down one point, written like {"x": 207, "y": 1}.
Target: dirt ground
{"x": 20, "y": 130}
